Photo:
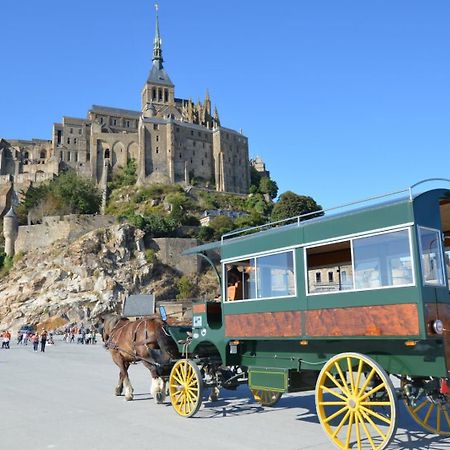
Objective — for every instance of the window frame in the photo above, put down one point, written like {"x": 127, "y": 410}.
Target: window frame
{"x": 255, "y": 256}
{"x": 350, "y": 239}
{"x": 441, "y": 257}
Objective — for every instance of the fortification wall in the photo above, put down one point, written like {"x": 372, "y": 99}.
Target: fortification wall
{"x": 168, "y": 251}
{"x": 53, "y": 228}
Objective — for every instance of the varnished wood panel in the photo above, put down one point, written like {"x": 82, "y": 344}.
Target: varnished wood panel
{"x": 270, "y": 324}
{"x": 385, "y": 320}
{"x": 444, "y": 315}
{"x": 199, "y": 309}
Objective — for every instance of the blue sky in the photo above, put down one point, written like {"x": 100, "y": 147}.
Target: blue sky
{"x": 343, "y": 99}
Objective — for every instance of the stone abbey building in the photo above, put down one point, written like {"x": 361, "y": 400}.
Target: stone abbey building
{"x": 171, "y": 139}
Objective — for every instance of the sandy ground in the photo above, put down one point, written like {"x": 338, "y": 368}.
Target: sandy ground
{"x": 63, "y": 399}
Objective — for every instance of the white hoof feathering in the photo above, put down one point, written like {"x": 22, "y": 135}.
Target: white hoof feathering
{"x": 158, "y": 390}
{"x": 128, "y": 392}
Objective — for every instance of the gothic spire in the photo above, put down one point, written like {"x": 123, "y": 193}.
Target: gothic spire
{"x": 157, "y": 49}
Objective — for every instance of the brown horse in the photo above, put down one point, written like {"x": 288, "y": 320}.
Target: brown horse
{"x": 143, "y": 340}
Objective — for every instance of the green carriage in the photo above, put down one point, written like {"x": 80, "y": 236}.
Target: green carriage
{"x": 342, "y": 303}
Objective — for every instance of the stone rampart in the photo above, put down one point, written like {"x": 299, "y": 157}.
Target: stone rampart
{"x": 53, "y": 228}
{"x": 168, "y": 251}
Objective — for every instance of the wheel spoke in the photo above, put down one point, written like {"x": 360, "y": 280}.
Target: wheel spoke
{"x": 338, "y": 385}
{"x": 341, "y": 375}
{"x": 371, "y": 374}
{"x": 375, "y": 414}
{"x": 359, "y": 373}
{"x": 350, "y": 374}
{"x": 368, "y": 419}
{"x": 341, "y": 424}
{"x": 326, "y": 389}
{"x": 337, "y": 413}
{"x": 438, "y": 420}
{"x": 349, "y": 430}
{"x": 332, "y": 403}
{"x": 428, "y": 413}
{"x": 366, "y": 431}
{"x": 358, "y": 431}
{"x": 421, "y": 405}
{"x": 372, "y": 391}
{"x": 447, "y": 417}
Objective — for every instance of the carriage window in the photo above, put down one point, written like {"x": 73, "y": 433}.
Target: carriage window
{"x": 430, "y": 252}
{"x": 261, "y": 277}
{"x": 382, "y": 260}
{"x": 275, "y": 275}
{"x": 329, "y": 267}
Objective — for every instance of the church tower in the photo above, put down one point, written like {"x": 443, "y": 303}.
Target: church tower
{"x": 159, "y": 89}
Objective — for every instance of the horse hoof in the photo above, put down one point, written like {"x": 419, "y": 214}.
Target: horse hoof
{"x": 118, "y": 393}
{"x": 160, "y": 397}
{"x": 213, "y": 398}
{"x": 128, "y": 398}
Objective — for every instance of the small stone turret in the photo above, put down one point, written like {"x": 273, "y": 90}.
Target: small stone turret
{"x": 10, "y": 229}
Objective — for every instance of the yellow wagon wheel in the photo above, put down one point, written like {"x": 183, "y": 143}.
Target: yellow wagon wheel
{"x": 185, "y": 387}
{"x": 266, "y": 397}
{"x": 433, "y": 416}
{"x": 356, "y": 403}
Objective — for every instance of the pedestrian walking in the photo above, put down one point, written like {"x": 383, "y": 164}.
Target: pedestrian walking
{"x": 19, "y": 337}
{"x": 43, "y": 340}
{"x": 35, "y": 341}
{"x": 26, "y": 336}
{"x": 6, "y": 337}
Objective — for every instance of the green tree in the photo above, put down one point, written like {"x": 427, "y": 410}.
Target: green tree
{"x": 290, "y": 205}
{"x": 221, "y": 225}
{"x": 268, "y": 186}
{"x": 186, "y": 289}
{"x": 125, "y": 177}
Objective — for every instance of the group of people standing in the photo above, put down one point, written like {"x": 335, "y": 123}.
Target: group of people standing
{"x": 35, "y": 339}
{"x": 83, "y": 335}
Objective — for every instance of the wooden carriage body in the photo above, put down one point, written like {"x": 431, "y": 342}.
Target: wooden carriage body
{"x": 371, "y": 280}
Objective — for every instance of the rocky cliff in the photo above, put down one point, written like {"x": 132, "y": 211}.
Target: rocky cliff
{"x": 72, "y": 283}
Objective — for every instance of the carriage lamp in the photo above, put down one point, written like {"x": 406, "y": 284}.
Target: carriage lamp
{"x": 438, "y": 326}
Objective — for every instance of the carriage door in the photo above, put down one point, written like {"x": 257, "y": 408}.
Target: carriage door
{"x": 444, "y": 307}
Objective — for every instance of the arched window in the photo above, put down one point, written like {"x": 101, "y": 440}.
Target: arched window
{"x": 160, "y": 94}
{"x": 154, "y": 94}
{"x": 166, "y": 95}
{"x": 107, "y": 153}
{"x": 43, "y": 154}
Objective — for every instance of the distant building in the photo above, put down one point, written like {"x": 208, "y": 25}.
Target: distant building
{"x": 210, "y": 214}
{"x": 259, "y": 165}
{"x": 172, "y": 140}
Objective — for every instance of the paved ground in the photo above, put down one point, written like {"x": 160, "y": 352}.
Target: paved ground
{"x": 63, "y": 399}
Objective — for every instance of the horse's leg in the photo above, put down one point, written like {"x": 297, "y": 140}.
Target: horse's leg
{"x": 157, "y": 389}
{"x": 124, "y": 381}
{"x": 117, "y": 360}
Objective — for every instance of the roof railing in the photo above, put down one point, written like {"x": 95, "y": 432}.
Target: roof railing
{"x": 300, "y": 218}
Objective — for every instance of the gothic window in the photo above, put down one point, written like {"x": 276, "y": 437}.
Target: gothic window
{"x": 155, "y": 126}
{"x": 160, "y": 95}
{"x": 157, "y": 149}
{"x": 180, "y": 155}
{"x": 79, "y": 130}
{"x": 88, "y": 156}
{"x": 68, "y": 156}
{"x": 68, "y": 140}
{"x": 166, "y": 95}
{"x": 101, "y": 119}
{"x": 157, "y": 138}
{"x": 76, "y": 156}
{"x": 192, "y": 132}
{"x": 107, "y": 153}
{"x": 128, "y": 124}
{"x": 153, "y": 94}
{"x": 74, "y": 140}
{"x": 114, "y": 121}
{"x": 43, "y": 154}
{"x": 58, "y": 139}
{"x": 71, "y": 131}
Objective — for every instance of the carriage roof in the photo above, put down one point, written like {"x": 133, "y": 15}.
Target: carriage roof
{"x": 379, "y": 212}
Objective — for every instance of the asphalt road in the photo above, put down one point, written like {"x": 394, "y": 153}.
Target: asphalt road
{"x": 63, "y": 399}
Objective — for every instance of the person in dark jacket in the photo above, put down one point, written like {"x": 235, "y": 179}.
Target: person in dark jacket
{"x": 43, "y": 340}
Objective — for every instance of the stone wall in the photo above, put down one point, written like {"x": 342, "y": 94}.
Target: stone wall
{"x": 53, "y": 228}
{"x": 168, "y": 251}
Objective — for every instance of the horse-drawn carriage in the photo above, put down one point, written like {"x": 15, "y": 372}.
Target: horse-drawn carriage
{"x": 343, "y": 303}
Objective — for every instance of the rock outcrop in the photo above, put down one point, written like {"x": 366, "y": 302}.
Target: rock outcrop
{"x": 73, "y": 283}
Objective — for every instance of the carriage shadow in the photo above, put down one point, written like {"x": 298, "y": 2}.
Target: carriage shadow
{"x": 409, "y": 435}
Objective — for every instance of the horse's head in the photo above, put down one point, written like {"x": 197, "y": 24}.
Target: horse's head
{"x": 106, "y": 324}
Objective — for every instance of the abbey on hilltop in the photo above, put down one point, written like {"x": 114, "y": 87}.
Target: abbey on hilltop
{"x": 171, "y": 139}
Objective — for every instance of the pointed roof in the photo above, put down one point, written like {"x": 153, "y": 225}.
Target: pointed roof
{"x": 157, "y": 73}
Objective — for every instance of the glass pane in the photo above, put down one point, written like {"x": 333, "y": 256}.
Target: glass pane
{"x": 275, "y": 275}
{"x": 383, "y": 260}
{"x": 431, "y": 257}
